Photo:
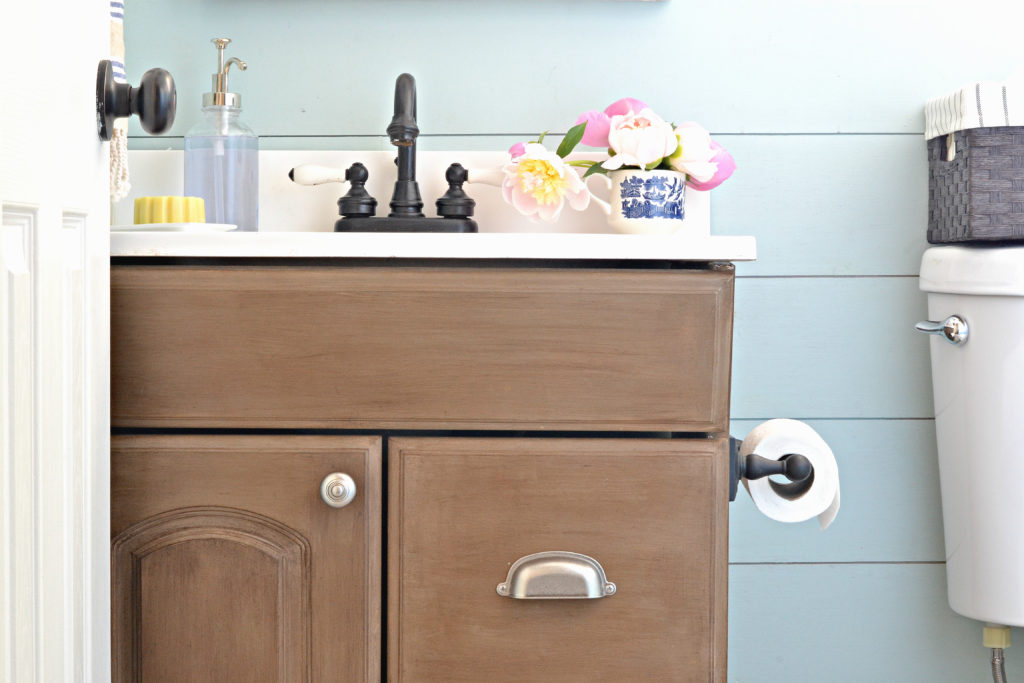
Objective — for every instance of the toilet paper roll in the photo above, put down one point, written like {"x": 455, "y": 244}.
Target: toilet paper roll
{"x": 773, "y": 440}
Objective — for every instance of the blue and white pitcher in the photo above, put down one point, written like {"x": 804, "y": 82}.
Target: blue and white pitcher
{"x": 644, "y": 202}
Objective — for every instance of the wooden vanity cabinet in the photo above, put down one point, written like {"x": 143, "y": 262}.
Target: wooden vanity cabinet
{"x": 520, "y": 410}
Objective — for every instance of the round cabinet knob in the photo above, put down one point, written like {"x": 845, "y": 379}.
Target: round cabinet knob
{"x": 154, "y": 101}
{"x": 337, "y": 489}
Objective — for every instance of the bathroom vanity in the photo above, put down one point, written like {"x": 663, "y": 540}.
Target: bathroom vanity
{"x": 520, "y": 433}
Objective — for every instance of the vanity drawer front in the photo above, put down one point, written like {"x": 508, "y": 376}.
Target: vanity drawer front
{"x": 653, "y": 513}
{"x": 421, "y": 348}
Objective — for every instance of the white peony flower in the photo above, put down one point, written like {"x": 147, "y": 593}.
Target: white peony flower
{"x": 694, "y": 153}
{"x": 639, "y": 139}
{"x": 538, "y": 182}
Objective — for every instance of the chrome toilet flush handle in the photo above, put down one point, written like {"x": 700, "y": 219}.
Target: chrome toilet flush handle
{"x": 953, "y": 329}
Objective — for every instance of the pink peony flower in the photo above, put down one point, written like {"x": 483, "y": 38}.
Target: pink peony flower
{"x": 726, "y": 165}
{"x": 624, "y": 106}
{"x": 694, "y": 153}
{"x": 538, "y": 182}
{"x": 517, "y": 150}
{"x": 596, "y": 132}
{"x": 598, "y": 123}
{"x": 639, "y": 140}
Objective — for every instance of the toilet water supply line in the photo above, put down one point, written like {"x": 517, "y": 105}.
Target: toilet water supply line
{"x": 998, "y": 673}
{"x": 998, "y": 638}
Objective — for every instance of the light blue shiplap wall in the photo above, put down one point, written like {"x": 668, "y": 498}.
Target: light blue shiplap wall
{"x": 820, "y": 103}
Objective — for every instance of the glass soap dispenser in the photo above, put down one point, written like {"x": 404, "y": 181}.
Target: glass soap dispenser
{"x": 222, "y": 154}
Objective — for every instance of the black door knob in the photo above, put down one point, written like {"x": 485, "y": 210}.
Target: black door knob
{"x": 154, "y": 100}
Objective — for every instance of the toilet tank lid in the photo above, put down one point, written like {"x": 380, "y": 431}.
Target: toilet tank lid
{"x": 995, "y": 271}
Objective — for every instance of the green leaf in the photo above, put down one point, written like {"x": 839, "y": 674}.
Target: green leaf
{"x": 540, "y": 139}
{"x": 595, "y": 169}
{"x": 582, "y": 163}
{"x": 571, "y": 139}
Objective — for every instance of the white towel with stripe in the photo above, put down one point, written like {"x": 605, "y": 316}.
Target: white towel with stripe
{"x": 979, "y": 105}
{"x": 119, "y": 185}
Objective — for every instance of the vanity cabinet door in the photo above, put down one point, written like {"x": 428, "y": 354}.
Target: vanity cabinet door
{"x": 228, "y": 566}
{"x": 651, "y": 512}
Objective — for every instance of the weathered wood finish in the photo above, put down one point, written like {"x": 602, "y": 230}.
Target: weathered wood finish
{"x": 227, "y": 566}
{"x": 421, "y": 348}
{"x": 653, "y": 512}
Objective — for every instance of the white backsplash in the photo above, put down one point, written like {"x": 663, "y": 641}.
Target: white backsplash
{"x": 287, "y": 207}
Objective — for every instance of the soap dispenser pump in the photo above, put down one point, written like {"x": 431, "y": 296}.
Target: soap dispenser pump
{"x": 222, "y": 153}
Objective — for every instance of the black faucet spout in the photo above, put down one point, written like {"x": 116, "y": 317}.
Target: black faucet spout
{"x": 403, "y": 132}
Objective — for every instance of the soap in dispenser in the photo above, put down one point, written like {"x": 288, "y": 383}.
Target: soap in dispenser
{"x": 222, "y": 154}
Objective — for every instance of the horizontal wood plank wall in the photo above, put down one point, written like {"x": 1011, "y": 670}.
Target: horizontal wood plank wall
{"x": 522, "y": 67}
{"x": 821, "y": 104}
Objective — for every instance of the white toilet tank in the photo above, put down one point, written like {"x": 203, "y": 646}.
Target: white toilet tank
{"x": 979, "y": 422}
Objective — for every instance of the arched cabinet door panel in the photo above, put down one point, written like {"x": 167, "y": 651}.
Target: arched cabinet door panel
{"x": 227, "y": 564}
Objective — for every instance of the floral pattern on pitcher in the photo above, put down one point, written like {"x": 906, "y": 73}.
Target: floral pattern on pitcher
{"x": 654, "y": 197}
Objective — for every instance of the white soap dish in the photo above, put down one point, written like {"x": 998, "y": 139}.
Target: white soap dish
{"x": 174, "y": 227}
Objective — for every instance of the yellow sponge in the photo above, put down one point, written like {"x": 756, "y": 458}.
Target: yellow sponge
{"x": 169, "y": 210}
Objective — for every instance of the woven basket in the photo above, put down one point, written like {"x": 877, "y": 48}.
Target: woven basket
{"x": 979, "y": 195}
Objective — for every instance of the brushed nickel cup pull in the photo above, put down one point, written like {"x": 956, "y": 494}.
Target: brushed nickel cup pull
{"x": 556, "y": 575}
{"x": 953, "y": 329}
{"x": 337, "y": 489}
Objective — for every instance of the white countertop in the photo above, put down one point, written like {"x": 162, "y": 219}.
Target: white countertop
{"x": 285, "y": 208}
{"x": 559, "y": 246}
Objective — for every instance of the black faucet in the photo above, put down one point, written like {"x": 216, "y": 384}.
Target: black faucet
{"x": 357, "y": 207}
{"x": 403, "y": 133}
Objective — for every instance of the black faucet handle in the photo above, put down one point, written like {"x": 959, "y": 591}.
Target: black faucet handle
{"x": 357, "y": 202}
{"x": 455, "y": 203}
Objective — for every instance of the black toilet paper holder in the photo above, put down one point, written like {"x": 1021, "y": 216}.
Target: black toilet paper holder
{"x": 795, "y": 467}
